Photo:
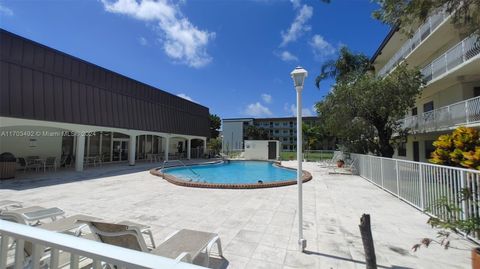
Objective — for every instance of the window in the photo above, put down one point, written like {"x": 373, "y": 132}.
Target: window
{"x": 414, "y": 111}
{"x": 277, "y": 124}
{"x": 428, "y": 106}
{"x": 402, "y": 149}
{"x": 285, "y": 123}
{"x": 276, "y": 131}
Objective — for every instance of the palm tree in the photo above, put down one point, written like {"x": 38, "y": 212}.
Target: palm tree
{"x": 312, "y": 134}
{"x": 347, "y": 66}
{"x": 252, "y": 132}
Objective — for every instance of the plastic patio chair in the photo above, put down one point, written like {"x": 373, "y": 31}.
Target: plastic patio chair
{"x": 183, "y": 245}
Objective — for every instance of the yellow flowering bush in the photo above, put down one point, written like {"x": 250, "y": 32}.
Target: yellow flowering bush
{"x": 461, "y": 149}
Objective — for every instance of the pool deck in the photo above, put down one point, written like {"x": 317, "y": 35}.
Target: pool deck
{"x": 258, "y": 227}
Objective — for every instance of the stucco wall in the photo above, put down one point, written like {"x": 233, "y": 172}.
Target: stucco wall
{"x": 31, "y": 141}
{"x": 232, "y": 135}
{"x": 258, "y": 149}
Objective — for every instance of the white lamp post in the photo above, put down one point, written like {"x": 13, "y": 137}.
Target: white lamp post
{"x": 298, "y": 76}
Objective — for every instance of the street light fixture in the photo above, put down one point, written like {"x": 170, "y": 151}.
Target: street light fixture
{"x": 298, "y": 75}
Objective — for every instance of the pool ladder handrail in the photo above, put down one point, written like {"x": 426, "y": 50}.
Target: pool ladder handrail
{"x": 188, "y": 167}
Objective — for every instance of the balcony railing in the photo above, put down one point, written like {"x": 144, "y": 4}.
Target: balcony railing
{"x": 46, "y": 247}
{"x": 444, "y": 118}
{"x": 460, "y": 53}
{"x": 421, "y": 34}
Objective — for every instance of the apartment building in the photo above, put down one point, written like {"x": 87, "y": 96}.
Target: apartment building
{"x": 450, "y": 64}
{"x": 281, "y": 129}
{"x": 56, "y": 106}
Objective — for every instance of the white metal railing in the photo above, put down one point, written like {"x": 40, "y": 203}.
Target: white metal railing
{"x": 423, "y": 184}
{"x": 421, "y": 34}
{"x": 308, "y": 155}
{"x": 46, "y": 246}
{"x": 444, "y": 118}
{"x": 460, "y": 53}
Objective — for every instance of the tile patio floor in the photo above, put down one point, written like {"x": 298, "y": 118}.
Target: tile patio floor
{"x": 258, "y": 228}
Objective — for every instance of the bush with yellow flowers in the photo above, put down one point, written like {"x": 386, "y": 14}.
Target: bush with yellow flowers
{"x": 461, "y": 149}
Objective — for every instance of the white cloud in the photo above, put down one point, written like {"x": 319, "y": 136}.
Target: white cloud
{"x": 143, "y": 41}
{"x": 321, "y": 48}
{"x": 5, "y": 10}
{"x": 267, "y": 98}
{"x": 182, "y": 41}
{"x": 298, "y": 26}
{"x": 257, "y": 110}
{"x": 296, "y": 3}
{"x": 184, "y": 96}
{"x": 286, "y": 56}
{"x": 292, "y": 110}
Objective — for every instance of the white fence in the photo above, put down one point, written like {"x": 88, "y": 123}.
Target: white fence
{"x": 421, "y": 34}
{"x": 46, "y": 248}
{"x": 443, "y": 118}
{"x": 460, "y": 53}
{"x": 423, "y": 184}
{"x": 308, "y": 155}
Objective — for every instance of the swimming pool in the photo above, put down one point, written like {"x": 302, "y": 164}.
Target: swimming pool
{"x": 232, "y": 174}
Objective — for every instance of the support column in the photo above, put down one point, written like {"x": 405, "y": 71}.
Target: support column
{"x": 80, "y": 151}
{"x": 189, "y": 148}
{"x": 167, "y": 147}
{"x": 204, "y": 146}
{"x": 132, "y": 149}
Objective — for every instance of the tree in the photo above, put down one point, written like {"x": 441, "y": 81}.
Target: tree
{"x": 214, "y": 145}
{"x": 215, "y": 124}
{"x": 366, "y": 110}
{"x": 255, "y": 133}
{"x": 312, "y": 135}
{"x": 346, "y": 67}
{"x": 408, "y": 15}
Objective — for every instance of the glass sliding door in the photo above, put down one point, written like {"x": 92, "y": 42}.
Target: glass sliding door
{"x": 120, "y": 150}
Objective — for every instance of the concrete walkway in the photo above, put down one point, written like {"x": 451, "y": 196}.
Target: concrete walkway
{"x": 258, "y": 228}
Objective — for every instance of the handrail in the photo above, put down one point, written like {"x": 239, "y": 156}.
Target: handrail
{"x": 462, "y": 112}
{"x": 98, "y": 252}
{"x": 188, "y": 167}
{"x": 424, "y": 31}
{"x": 455, "y": 56}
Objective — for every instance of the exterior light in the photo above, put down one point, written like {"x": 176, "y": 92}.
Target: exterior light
{"x": 298, "y": 75}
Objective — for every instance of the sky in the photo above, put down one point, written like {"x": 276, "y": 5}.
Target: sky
{"x": 232, "y": 56}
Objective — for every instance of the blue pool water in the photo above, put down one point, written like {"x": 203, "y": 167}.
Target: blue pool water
{"x": 234, "y": 172}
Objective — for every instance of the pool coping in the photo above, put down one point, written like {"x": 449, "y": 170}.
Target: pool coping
{"x": 306, "y": 176}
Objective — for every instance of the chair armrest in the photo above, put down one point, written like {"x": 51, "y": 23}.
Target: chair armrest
{"x": 184, "y": 255}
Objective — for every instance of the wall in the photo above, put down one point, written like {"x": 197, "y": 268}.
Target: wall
{"x": 40, "y": 83}
{"x": 232, "y": 135}
{"x": 258, "y": 149}
{"x": 421, "y": 139}
{"x": 21, "y": 146}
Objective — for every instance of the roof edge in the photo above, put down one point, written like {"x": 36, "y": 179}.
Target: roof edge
{"x": 392, "y": 31}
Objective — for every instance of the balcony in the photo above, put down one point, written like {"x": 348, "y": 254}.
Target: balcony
{"x": 466, "y": 112}
{"x": 464, "y": 51}
{"x": 423, "y": 32}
